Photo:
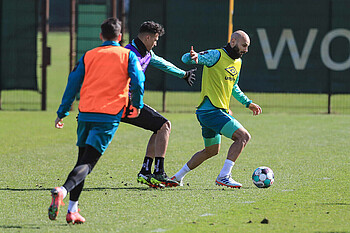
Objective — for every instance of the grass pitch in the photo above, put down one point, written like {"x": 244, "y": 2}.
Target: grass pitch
{"x": 309, "y": 154}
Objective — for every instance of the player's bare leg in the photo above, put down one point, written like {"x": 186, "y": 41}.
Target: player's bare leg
{"x": 199, "y": 157}
{"x": 240, "y": 137}
{"x": 162, "y": 139}
{"x": 161, "y": 145}
{"x": 156, "y": 149}
{"x": 158, "y": 143}
{"x": 196, "y": 160}
{"x": 151, "y": 148}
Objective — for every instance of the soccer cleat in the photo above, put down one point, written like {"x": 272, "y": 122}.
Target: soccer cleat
{"x": 57, "y": 201}
{"x": 166, "y": 180}
{"x": 228, "y": 182}
{"x": 149, "y": 180}
{"x": 180, "y": 182}
{"x": 74, "y": 217}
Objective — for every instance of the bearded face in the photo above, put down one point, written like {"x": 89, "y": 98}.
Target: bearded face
{"x": 236, "y": 53}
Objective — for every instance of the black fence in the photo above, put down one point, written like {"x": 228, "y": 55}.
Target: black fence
{"x": 18, "y": 44}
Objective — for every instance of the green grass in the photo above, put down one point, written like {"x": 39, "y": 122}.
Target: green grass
{"x": 308, "y": 152}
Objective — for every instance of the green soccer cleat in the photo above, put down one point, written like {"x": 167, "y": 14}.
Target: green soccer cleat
{"x": 149, "y": 180}
{"x": 163, "y": 177}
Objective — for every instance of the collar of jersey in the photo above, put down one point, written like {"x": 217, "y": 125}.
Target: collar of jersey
{"x": 109, "y": 42}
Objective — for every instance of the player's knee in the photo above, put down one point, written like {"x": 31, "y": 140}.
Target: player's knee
{"x": 246, "y": 137}
{"x": 242, "y": 136}
{"x": 166, "y": 127}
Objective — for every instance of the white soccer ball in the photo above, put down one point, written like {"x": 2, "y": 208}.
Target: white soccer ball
{"x": 263, "y": 177}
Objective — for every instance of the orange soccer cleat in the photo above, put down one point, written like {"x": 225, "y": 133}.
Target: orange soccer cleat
{"x": 74, "y": 217}
{"x": 57, "y": 201}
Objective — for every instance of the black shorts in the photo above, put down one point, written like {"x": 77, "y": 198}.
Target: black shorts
{"x": 148, "y": 119}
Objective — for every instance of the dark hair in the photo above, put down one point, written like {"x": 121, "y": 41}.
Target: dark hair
{"x": 152, "y": 27}
{"x": 110, "y": 28}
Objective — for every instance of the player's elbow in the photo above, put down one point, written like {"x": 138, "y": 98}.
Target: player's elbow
{"x": 185, "y": 58}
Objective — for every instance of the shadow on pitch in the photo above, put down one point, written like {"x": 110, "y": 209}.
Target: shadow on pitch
{"x": 24, "y": 189}
{"x": 18, "y": 227}
{"x": 21, "y": 228}
{"x": 132, "y": 188}
{"x": 85, "y": 189}
{"x": 336, "y": 204}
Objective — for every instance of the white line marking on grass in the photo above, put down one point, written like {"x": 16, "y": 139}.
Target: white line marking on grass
{"x": 159, "y": 230}
{"x": 206, "y": 214}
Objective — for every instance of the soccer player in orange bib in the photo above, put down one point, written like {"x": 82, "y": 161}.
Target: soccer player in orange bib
{"x": 102, "y": 76}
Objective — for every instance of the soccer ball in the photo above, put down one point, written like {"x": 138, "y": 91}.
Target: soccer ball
{"x": 263, "y": 177}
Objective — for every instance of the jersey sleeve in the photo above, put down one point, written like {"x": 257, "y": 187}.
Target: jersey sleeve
{"x": 75, "y": 80}
{"x": 166, "y": 66}
{"x": 239, "y": 95}
{"x": 137, "y": 80}
{"x": 207, "y": 58}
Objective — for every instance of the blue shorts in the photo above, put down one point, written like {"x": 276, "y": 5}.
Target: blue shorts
{"x": 216, "y": 123}
{"x": 96, "y": 134}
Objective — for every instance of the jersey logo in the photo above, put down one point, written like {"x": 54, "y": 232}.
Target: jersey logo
{"x": 231, "y": 70}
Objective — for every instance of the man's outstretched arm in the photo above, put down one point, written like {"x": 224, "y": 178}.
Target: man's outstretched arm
{"x": 207, "y": 58}
{"x": 166, "y": 66}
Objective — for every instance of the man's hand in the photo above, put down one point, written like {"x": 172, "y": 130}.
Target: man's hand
{"x": 190, "y": 76}
{"x": 58, "y": 123}
{"x": 255, "y": 109}
{"x": 194, "y": 55}
{"x": 131, "y": 112}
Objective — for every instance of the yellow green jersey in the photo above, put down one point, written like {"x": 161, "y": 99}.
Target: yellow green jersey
{"x": 218, "y": 80}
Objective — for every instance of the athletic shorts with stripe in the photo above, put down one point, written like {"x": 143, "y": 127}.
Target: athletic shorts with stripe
{"x": 216, "y": 123}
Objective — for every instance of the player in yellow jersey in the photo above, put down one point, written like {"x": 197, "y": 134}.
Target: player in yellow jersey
{"x": 219, "y": 81}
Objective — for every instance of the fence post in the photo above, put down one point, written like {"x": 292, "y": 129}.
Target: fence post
{"x": 122, "y": 16}
{"x": 114, "y": 8}
{"x": 330, "y": 11}
{"x": 164, "y": 46}
{"x": 329, "y": 103}
{"x": 72, "y": 35}
{"x": 45, "y": 50}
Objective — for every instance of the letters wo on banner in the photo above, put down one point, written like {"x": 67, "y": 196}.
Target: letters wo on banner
{"x": 296, "y": 47}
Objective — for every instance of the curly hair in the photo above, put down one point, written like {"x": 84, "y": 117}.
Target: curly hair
{"x": 152, "y": 27}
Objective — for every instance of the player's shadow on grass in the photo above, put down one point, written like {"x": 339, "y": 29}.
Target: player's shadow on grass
{"x": 24, "y": 227}
{"x": 143, "y": 188}
{"x": 336, "y": 203}
{"x": 25, "y": 189}
{"x": 18, "y": 227}
{"x": 117, "y": 188}
{"x": 85, "y": 189}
